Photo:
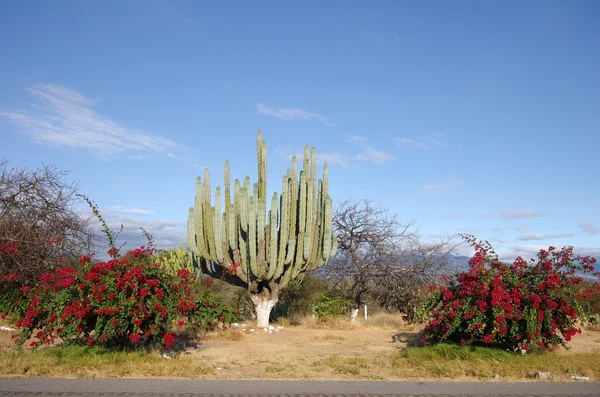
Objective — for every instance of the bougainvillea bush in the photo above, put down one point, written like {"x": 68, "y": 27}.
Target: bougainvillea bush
{"x": 127, "y": 300}
{"x": 521, "y": 305}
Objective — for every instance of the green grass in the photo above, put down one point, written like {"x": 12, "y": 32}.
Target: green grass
{"x": 460, "y": 362}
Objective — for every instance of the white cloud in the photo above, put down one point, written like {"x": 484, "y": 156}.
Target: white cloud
{"x": 450, "y": 183}
{"x": 522, "y": 227}
{"x": 357, "y": 139}
{"x": 498, "y": 239}
{"x": 334, "y": 158}
{"x": 166, "y": 233}
{"x": 119, "y": 209}
{"x": 340, "y": 159}
{"x": 530, "y": 251}
{"x": 526, "y": 213}
{"x": 589, "y": 227}
{"x": 410, "y": 143}
{"x": 374, "y": 156}
{"x": 424, "y": 142}
{"x": 62, "y": 117}
{"x": 291, "y": 114}
{"x": 534, "y": 236}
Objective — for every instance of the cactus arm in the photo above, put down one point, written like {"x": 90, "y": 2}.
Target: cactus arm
{"x": 272, "y": 246}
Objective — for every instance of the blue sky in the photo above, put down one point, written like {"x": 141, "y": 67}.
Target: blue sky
{"x": 464, "y": 116}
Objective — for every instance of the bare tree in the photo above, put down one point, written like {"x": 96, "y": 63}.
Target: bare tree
{"x": 416, "y": 266}
{"x": 39, "y": 225}
{"x": 381, "y": 256}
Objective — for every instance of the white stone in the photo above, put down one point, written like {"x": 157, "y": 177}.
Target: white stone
{"x": 251, "y": 330}
{"x": 543, "y": 375}
{"x": 584, "y": 378}
{"x": 271, "y": 328}
{"x": 235, "y": 325}
{"x": 7, "y": 329}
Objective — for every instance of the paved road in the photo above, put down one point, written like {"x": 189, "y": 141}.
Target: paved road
{"x": 224, "y": 388}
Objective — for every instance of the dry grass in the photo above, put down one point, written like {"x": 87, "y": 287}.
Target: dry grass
{"x": 447, "y": 361}
{"x": 381, "y": 320}
{"x": 592, "y": 327}
{"x": 328, "y": 337}
{"x": 94, "y": 362}
{"x": 230, "y": 335}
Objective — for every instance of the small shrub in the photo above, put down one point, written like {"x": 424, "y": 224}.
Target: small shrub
{"x": 331, "y": 307}
{"x": 520, "y": 305}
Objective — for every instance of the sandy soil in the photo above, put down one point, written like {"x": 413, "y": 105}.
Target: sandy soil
{"x": 297, "y": 353}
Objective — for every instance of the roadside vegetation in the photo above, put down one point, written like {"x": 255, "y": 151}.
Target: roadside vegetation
{"x": 163, "y": 313}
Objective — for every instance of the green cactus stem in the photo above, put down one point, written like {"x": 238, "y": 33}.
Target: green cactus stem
{"x": 262, "y": 251}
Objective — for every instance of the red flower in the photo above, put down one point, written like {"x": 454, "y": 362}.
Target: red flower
{"x": 169, "y": 339}
{"x": 209, "y": 281}
{"x": 46, "y": 278}
{"x": 66, "y": 282}
{"x": 488, "y": 338}
{"x": 143, "y": 292}
{"x": 134, "y": 338}
{"x": 152, "y": 283}
{"x": 183, "y": 273}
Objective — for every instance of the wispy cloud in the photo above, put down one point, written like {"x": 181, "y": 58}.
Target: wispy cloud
{"x": 410, "y": 143}
{"x": 344, "y": 160}
{"x": 589, "y": 227}
{"x": 516, "y": 214}
{"x": 166, "y": 233}
{"x": 374, "y": 156}
{"x": 119, "y": 209}
{"x": 62, "y": 117}
{"x": 291, "y": 114}
{"x": 498, "y": 239}
{"x": 522, "y": 227}
{"x": 533, "y": 236}
{"x": 450, "y": 183}
{"x": 357, "y": 139}
{"x": 423, "y": 142}
{"x": 530, "y": 251}
{"x": 334, "y": 158}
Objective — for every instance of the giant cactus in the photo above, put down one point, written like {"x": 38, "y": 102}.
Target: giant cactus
{"x": 248, "y": 247}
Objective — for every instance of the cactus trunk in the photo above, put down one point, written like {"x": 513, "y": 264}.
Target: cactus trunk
{"x": 263, "y": 304}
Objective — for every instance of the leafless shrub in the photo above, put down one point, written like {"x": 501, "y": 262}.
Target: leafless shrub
{"x": 40, "y": 228}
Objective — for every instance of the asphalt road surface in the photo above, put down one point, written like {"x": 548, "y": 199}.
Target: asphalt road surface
{"x": 257, "y": 388}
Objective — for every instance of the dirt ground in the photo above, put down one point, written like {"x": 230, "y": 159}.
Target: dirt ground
{"x": 300, "y": 353}
{"x": 297, "y": 353}
{"x": 305, "y": 353}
